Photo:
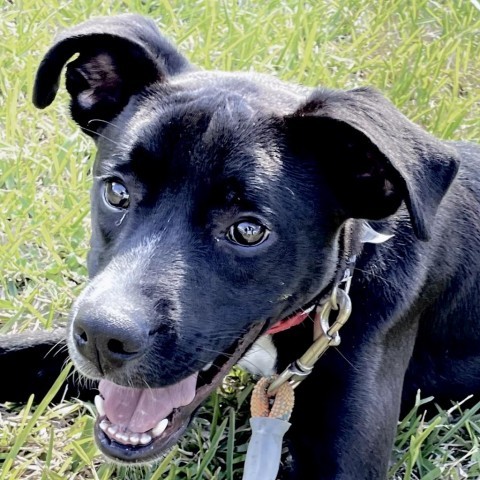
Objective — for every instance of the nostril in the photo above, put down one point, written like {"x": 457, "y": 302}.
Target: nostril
{"x": 81, "y": 336}
{"x": 118, "y": 347}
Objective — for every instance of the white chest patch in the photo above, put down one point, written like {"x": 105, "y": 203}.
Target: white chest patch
{"x": 261, "y": 358}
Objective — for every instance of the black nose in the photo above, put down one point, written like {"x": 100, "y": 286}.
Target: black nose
{"x": 109, "y": 339}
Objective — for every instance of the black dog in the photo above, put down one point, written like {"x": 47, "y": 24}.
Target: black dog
{"x": 219, "y": 208}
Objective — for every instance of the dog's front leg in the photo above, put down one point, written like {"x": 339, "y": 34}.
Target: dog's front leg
{"x": 346, "y": 412}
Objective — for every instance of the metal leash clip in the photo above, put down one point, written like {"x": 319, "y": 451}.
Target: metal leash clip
{"x": 325, "y": 335}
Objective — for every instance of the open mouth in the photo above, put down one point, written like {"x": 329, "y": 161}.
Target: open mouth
{"x": 136, "y": 425}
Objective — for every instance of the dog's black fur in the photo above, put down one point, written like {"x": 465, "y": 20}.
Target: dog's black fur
{"x": 170, "y": 289}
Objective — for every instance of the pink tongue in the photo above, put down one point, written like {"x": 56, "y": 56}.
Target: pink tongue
{"x": 140, "y": 409}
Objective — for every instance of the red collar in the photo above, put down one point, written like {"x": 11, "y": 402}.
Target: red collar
{"x": 289, "y": 322}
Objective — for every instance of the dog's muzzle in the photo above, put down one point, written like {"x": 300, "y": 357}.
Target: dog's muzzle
{"x": 137, "y": 425}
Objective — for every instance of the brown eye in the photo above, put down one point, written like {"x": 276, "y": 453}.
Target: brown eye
{"x": 116, "y": 194}
{"x": 247, "y": 233}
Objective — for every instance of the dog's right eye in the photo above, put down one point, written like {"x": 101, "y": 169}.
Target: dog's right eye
{"x": 247, "y": 233}
{"x": 116, "y": 194}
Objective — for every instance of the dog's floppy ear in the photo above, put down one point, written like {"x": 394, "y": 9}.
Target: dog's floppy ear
{"x": 118, "y": 56}
{"x": 373, "y": 157}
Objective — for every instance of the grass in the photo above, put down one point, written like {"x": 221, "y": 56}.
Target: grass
{"x": 422, "y": 54}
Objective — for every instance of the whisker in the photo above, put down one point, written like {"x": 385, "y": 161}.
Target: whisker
{"x": 106, "y": 122}
{"x": 345, "y": 358}
{"x": 100, "y": 135}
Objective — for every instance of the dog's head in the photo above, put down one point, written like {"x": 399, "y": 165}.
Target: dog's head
{"x": 217, "y": 204}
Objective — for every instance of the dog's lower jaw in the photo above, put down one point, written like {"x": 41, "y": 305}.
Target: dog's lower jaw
{"x": 142, "y": 454}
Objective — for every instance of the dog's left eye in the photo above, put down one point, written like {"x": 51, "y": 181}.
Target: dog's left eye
{"x": 247, "y": 233}
{"x": 116, "y": 194}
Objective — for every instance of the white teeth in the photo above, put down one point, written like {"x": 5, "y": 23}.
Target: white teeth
{"x": 134, "y": 439}
{"x": 160, "y": 428}
{"x": 104, "y": 424}
{"x": 208, "y": 366}
{"x": 99, "y": 403}
{"x": 123, "y": 435}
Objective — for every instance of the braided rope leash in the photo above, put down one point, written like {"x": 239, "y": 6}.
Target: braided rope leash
{"x": 269, "y": 422}
{"x": 278, "y": 405}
